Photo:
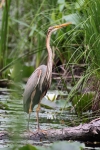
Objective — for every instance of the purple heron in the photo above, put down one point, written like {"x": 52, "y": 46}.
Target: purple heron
{"x": 40, "y": 80}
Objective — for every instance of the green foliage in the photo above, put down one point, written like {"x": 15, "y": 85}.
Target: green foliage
{"x": 32, "y": 24}
{"x": 23, "y": 31}
{"x": 86, "y": 51}
{"x": 4, "y": 106}
{"x": 82, "y": 102}
{"x": 66, "y": 145}
{"x": 91, "y": 28}
{"x": 4, "y": 34}
{"x": 28, "y": 147}
{"x": 56, "y": 146}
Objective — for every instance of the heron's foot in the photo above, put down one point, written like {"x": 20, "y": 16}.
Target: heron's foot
{"x": 41, "y": 131}
{"x": 30, "y": 133}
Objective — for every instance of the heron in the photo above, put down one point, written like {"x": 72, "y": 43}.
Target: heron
{"x": 40, "y": 80}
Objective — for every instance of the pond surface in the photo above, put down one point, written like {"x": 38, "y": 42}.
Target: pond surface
{"x": 15, "y": 121}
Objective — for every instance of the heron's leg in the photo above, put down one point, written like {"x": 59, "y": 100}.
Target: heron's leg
{"x": 30, "y": 110}
{"x": 28, "y": 121}
{"x": 37, "y": 110}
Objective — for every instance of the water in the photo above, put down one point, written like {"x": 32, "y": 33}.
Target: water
{"x": 14, "y": 121}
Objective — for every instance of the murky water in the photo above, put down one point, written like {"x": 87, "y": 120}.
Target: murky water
{"x": 15, "y": 121}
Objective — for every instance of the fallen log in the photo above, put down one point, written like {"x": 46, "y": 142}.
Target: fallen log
{"x": 84, "y": 132}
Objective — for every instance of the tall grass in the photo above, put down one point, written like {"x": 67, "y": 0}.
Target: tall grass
{"x": 90, "y": 52}
{"x": 92, "y": 46}
{"x": 28, "y": 23}
{"x": 4, "y": 33}
{"x": 23, "y": 33}
{"x": 92, "y": 30}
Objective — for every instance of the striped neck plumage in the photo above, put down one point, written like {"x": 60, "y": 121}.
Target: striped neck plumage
{"x": 50, "y": 59}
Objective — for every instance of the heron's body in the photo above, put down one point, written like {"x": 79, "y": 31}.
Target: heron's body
{"x": 35, "y": 89}
{"x": 40, "y": 80}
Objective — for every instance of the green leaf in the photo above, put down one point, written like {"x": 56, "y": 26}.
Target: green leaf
{"x": 33, "y": 29}
{"x": 61, "y": 7}
{"x": 28, "y": 147}
{"x": 83, "y": 102}
{"x": 61, "y": 1}
{"x": 20, "y": 22}
{"x": 74, "y": 18}
{"x": 66, "y": 146}
{"x": 79, "y": 4}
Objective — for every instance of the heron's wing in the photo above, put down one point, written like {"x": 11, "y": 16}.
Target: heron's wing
{"x": 32, "y": 82}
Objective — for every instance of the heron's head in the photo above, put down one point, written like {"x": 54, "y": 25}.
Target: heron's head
{"x": 54, "y": 28}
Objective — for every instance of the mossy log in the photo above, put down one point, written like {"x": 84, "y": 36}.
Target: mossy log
{"x": 84, "y": 132}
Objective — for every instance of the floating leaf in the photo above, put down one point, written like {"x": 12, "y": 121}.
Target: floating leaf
{"x": 28, "y": 147}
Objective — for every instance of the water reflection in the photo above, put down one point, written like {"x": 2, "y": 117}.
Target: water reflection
{"x": 14, "y": 120}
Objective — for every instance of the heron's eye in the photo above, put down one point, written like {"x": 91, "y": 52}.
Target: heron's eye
{"x": 50, "y": 28}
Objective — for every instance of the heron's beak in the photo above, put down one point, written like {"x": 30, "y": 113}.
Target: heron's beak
{"x": 62, "y": 25}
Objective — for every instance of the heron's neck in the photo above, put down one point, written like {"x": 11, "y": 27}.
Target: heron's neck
{"x": 50, "y": 59}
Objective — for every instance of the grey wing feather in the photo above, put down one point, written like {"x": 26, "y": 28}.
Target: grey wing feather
{"x": 33, "y": 82}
